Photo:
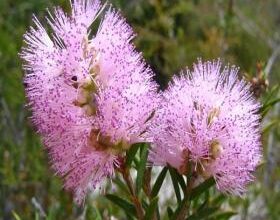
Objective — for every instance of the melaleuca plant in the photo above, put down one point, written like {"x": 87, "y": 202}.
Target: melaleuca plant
{"x": 101, "y": 116}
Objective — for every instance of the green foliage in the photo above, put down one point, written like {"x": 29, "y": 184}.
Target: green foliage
{"x": 141, "y": 168}
{"x": 175, "y": 177}
{"x": 130, "y": 156}
{"x": 125, "y": 205}
{"x": 202, "y": 188}
{"x": 150, "y": 211}
{"x": 159, "y": 182}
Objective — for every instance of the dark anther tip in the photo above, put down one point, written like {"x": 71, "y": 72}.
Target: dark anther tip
{"x": 74, "y": 78}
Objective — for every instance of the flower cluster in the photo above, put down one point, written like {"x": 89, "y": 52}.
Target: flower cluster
{"x": 208, "y": 117}
{"x": 90, "y": 96}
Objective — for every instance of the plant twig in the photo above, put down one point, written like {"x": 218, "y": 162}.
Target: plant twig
{"x": 127, "y": 178}
{"x": 185, "y": 203}
{"x": 147, "y": 188}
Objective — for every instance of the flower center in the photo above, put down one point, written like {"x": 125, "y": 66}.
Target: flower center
{"x": 85, "y": 98}
{"x": 103, "y": 143}
{"x": 213, "y": 114}
{"x": 87, "y": 87}
{"x": 216, "y": 149}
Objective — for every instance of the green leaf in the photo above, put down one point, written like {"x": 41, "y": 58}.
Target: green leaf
{"x": 201, "y": 214}
{"x": 270, "y": 125}
{"x": 136, "y": 162}
{"x": 271, "y": 103}
{"x": 170, "y": 212}
{"x": 218, "y": 200}
{"x": 273, "y": 92}
{"x": 130, "y": 155}
{"x": 93, "y": 213}
{"x": 175, "y": 182}
{"x": 159, "y": 182}
{"x": 265, "y": 108}
{"x": 180, "y": 179}
{"x": 141, "y": 168}
{"x": 121, "y": 185}
{"x": 270, "y": 100}
{"x": 202, "y": 188}
{"x": 37, "y": 216}
{"x": 144, "y": 204}
{"x": 223, "y": 215}
{"x": 151, "y": 209}
{"x": 16, "y": 216}
{"x": 125, "y": 205}
{"x": 203, "y": 206}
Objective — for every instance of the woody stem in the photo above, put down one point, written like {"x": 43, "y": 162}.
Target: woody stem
{"x": 185, "y": 203}
{"x": 127, "y": 178}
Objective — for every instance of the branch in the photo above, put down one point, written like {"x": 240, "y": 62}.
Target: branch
{"x": 127, "y": 178}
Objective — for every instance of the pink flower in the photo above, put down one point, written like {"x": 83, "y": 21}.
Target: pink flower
{"x": 90, "y": 96}
{"x": 209, "y": 117}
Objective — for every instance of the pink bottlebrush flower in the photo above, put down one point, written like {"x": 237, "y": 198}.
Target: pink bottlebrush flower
{"x": 90, "y": 96}
{"x": 209, "y": 117}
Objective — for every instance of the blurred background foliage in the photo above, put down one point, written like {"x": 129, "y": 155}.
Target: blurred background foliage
{"x": 172, "y": 35}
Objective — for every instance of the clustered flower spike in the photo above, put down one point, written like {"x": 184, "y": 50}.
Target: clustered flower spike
{"x": 210, "y": 118}
{"x": 91, "y": 97}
